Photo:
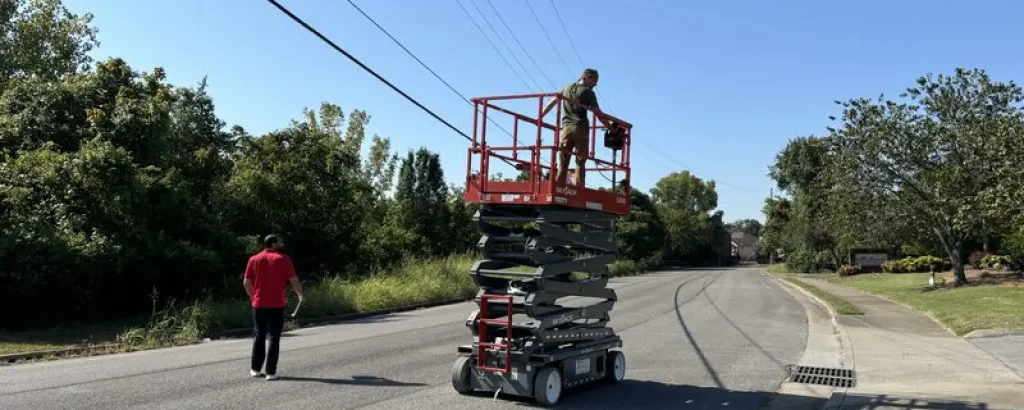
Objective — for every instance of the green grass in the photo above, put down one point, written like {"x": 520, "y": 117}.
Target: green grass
{"x": 840, "y": 305}
{"x": 627, "y": 267}
{"x": 414, "y": 282}
{"x": 962, "y": 310}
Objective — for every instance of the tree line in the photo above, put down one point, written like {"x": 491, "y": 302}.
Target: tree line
{"x": 118, "y": 189}
{"x": 933, "y": 172}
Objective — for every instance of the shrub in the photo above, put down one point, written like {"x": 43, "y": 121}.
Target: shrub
{"x": 894, "y": 266}
{"x": 628, "y": 267}
{"x": 849, "y": 270}
{"x": 925, "y": 264}
{"x": 995, "y": 262}
{"x": 807, "y": 261}
{"x": 911, "y": 265}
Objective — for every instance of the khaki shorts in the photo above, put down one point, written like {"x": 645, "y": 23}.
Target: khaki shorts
{"x": 573, "y": 135}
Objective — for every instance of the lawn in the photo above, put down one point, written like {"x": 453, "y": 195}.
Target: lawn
{"x": 964, "y": 309}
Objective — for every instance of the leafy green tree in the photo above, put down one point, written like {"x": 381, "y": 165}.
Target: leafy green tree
{"x": 751, "y": 226}
{"x": 42, "y": 39}
{"x": 685, "y": 203}
{"x": 421, "y": 201}
{"x": 305, "y": 183}
{"x": 640, "y": 235}
{"x": 107, "y": 194}
{"x": 462, "y": 231}
{"x": 932, "y": 159}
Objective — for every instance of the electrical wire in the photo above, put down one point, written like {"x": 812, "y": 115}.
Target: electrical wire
{"x": 580, "y": 58}
{"x": 364, "y": 67}
{"x": 503, "y": 43}
{"x": 413, "y": 55}
{"x": 504, "y": 23}
{"x": 535, "y": 16}
{"x": 571, "y": 43}
{"x": 481, "y": 30}
{"x": 562, "y": 22}
{"x": 410, "y": 53}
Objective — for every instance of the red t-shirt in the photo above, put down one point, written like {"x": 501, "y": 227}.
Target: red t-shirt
{"x": 269, "y": 272}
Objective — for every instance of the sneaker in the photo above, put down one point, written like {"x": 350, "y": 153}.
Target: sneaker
{"x": 254, "y": 373}
{"x": 271, "y": 377}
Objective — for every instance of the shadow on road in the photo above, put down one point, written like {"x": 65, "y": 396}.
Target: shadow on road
{"x": 882, "y": 401}
{"x": 640, "y": 394}
{"x": 637, "y": 394}
{"x": 355, "y": 380}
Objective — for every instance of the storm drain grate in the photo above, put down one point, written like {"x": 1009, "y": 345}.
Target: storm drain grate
{"x": 825, "y": 376}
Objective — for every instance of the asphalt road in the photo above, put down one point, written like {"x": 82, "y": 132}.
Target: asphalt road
{"x": 692, "y": 339}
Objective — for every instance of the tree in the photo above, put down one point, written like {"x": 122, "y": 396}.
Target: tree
{"x": 802, "y": 232}
{"x": 640, "y": 234}
{"x": 930, "y": 161}
{"x": 751, "y": 226}
{"x": 685, "y": 203}
{"x": 106, "y": 192}
{"x": 42, "y": 39}
{"x": 306, "y": 183}
{"x": 775, "y": 233}
{"x": 421, "y": 201}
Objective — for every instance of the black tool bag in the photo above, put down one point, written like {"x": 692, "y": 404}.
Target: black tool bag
{"x": 614, "y": 136}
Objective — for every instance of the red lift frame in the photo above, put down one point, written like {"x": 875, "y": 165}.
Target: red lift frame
{"x": 541, "y": 190}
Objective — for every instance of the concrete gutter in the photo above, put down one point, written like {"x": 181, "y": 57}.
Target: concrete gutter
{"x": 825, "y": 347}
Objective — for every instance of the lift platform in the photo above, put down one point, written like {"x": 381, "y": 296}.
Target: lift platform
{"x": 542, "y": 241}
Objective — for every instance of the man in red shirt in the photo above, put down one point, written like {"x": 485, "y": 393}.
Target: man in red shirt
{"x": 266, "y": 281}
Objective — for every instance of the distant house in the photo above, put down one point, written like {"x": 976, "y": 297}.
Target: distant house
{"x": 744, "y": 246}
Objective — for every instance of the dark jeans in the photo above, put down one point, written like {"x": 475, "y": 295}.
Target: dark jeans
{"x": 267, "y": 320}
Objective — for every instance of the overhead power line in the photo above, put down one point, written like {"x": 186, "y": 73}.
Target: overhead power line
{"x": 408, "y": 52}
{"x": 481, "y": 30}
{"x": 503, "y": 43}
{"x": 436, "y": 75}
{"x": 535, "y": 16}
{"x": 562, "y": 22}
{"x": 525, "y": 51}
{"x": 364, "y": 67}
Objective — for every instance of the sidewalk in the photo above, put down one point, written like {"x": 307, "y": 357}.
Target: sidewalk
{"x": 904, "y": 360}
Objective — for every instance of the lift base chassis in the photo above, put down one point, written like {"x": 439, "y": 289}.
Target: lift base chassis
{"x": 577, "y": 366}
{"x": 524, "y": 342}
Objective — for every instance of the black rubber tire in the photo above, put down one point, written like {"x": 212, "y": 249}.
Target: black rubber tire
{"x": 461, "y": 371}
{"x": 540, "y": 386}
{"x": 609, "y": 368}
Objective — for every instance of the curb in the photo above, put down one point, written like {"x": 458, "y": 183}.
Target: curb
{"x": 232, "y": 333}
{"x": 833, "y": 315}
{"x": 838, "y": 394}
{"x": 983, "y": 333}
{"x": 14, "y": 357}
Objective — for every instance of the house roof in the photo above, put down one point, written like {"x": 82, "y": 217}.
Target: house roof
{"x": 744, "y": 239}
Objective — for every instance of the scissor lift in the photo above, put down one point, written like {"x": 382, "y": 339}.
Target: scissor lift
{"x": 542, "y": 241}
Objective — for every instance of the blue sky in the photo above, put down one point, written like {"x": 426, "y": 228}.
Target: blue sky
{"x": 716, "y": 88}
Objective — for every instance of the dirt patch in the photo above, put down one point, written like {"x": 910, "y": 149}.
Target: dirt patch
{"x": 981, "y": 277}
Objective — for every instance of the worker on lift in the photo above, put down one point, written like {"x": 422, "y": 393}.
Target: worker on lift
{"x": 578, "y": 97}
